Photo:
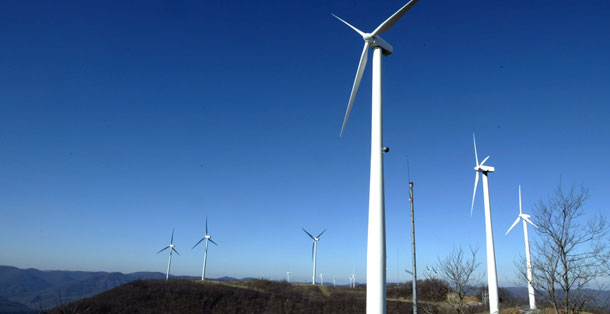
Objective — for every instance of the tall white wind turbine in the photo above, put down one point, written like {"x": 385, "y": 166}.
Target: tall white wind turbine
{"x": 207, "y": 238}
{"x": 172, "y": 249}
{"x": 492, "y": 277}
{"x": 314, "y": 252}
{"x": 376, "y": 249}
{"x": 526, "y": 220}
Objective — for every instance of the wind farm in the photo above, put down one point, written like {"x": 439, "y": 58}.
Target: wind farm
{"x": 121, "y": 121}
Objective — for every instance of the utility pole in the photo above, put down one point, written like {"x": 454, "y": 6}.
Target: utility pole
{"x": 413, "y": 248}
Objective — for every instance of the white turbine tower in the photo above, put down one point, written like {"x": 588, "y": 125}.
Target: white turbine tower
{"x": 526, "y": 219}
{"x": 314, "y": 252}
{"x": 207, "y": 238}
{"x": 172, "y": 249}
{"x": 376, "y": 249}
{"x": 492, "y": 279}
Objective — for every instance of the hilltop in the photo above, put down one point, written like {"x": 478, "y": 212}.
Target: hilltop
{"x": 30, "y": 290}
{"x": 257, "y": 296}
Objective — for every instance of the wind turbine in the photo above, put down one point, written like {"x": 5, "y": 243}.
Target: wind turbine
{"x": 288, "y": 276}
{"x": 207, "y": 238}
{"x": 172, "y": 249}
{"x": 314, "y": 252}
{"x": 376, "y": 249}
{"x": 526, "y": 219}
{"x": 492, "y": 277}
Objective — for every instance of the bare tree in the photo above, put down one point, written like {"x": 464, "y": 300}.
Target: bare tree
{"x": 458, "y": 269}
{"x": 568, "y": 250}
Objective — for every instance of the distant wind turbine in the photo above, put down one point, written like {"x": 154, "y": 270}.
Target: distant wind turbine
{"x": 207, "y": 238}
{"x": 429, "y": 271}
{"x": 172, "y": 249}
{"x": 288, "y": 276}
{"x": 526, "y": 220}
{"x": 314, "y": 252}
{"x": 492, "y": 277}
{"x": 376, "y": 244}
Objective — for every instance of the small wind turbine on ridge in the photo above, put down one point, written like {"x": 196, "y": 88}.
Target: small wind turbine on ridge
{"x": 526, "y": 220}
{"x": 207, "y": 238}
{"x": 172, "y": 249}
{"x": 314, "y": 252}
{"x": 376, "y": 244}
{"x": 492, "y": 277}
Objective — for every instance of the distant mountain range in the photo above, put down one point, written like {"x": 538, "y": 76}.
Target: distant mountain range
{"x": 602, "y": 300}
{"x": 30, "y": 290}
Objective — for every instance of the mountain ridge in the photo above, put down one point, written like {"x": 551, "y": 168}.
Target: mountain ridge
{"x": 36, "y": 289}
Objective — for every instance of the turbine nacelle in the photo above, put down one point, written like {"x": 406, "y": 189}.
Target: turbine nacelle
{"x": 376, "y": 41}
{"x": 482, "y": 168}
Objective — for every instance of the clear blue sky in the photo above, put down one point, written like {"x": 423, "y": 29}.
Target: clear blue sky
{"x": 120, "y": 120}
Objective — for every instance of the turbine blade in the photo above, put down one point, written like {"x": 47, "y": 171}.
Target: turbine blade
{"x": 165, "y": 248}
{"x": 476, "y": 157}
{"x": 197, "y": 243}
{"x": 309, "y": 234}
{"x": 321, "y": 233}
{"x": 514, "y": 224}
{"x": 520, "y": 212}
{"x": 213, "y": 242}
{"x": 348, "y": 24}
{"x": 175, "y": 251}
{"x": 172, "y": 241}
{"x": 484, "y": 160}
{"x": 476, "y": 181}
{"x": 393, "y": 19}
{"x": 359, "y": 73}
{"x": 528, "y": 220}
{"x": 206, "y": 225}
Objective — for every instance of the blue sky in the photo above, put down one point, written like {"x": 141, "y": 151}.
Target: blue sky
{"x": 120, "y": 120}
